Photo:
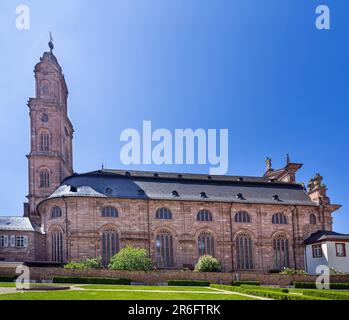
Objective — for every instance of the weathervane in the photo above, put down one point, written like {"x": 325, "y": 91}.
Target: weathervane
{"x": 50, "y": 44}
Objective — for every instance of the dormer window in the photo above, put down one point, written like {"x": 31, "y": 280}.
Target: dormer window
{"x": 276, "y": 197}
{"x": 203, "y": 195}
{"x": 175, "y": 193}
{"x": 141, "y": 192}
{"x": 239, "y": 196}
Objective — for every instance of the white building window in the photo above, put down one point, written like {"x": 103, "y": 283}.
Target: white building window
{"x": 340, "y": 250}
{"x": 21, "y": 241}
{"x": 317, "y": 251}
{"x": 3, "y": 241}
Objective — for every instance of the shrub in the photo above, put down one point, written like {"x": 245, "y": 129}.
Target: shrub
{"x": 87, "y": 280}
{"x": 7, "y": 279}
{"x": 290, "y": 271}
{"x": 312, "y": 285}
{"x": 191, "y": 283}
{"x": 304, "y": 285}
{"x": 131, "y": 258}
{"x": 327, "y": 294}
{"x": 272, "y": 294}
{"x": 90, "y": 263}
{"x": 251, "y": 283}
{"x": 208, "y": 264}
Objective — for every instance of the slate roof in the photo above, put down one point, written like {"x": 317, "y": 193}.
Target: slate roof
{"x": 16, "y": 224}
{"x": 161, "y": 186}
{"x": 325, "y": 235}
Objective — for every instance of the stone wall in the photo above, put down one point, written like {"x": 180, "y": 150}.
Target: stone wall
{"x": 136, "y": 225}
{"x": 162, "y": 276}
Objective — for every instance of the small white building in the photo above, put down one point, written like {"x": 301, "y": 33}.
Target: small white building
{"x": 327, "y": 248}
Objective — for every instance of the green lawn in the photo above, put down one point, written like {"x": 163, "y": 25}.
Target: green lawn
{"x": 158, "y": 288}
{"x": 7, "y": 285}
{"x": 110, "y": 295}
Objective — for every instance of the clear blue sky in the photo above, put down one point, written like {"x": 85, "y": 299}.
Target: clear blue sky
{"x": 259, "y": 68}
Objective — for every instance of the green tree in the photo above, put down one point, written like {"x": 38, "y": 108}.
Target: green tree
{"x": 208, "y": 264}
{"x": 131, "y": 258}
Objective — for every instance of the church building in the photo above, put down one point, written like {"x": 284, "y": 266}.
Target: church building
{"x": 248, "y": 223}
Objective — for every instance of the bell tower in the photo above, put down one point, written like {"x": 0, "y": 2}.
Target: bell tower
{"x": 51, "y": 133}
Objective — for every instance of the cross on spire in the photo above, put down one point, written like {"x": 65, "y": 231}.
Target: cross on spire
{"x": 50, "y": 44}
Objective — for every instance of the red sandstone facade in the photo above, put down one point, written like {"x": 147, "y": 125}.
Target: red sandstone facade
{"x": 77, "y": 229}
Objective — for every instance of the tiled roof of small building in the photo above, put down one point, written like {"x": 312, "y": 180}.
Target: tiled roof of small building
{"x": 17, "y": 224}
{"x": 323, "y": 235}
{"x": 176, "y": 186}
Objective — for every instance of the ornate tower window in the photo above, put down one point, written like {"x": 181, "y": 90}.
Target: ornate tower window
{"x": 44, "y": 178}
{"x": 164, "y": 249}
{"x": 44, "y": 142}
{"x": 312, "y": 219}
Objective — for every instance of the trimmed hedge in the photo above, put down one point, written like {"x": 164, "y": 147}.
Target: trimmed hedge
{"x": 312, "y": 285}
{"x": 191, "y": 283}
{"x": 276, "y": 289}
{"x": 86, "y": 280}
{"x": 327, "y": 294}
{"x": 7, "y": 279}
{"x": 247, "y": 282}
{"x": 264, "y": 293}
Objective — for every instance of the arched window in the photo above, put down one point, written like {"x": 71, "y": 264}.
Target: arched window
{"x": 110, "y": 245}
{"x": 164, "y": 249}
{"x": 204, "y": 215}
{"x": 242, "y": 217}
{"x": 44, "y": 142}
{"x": 205, "y": 244}
{"x": 45, "y": 88}
{"x": 56, "y": 212}
{"x": 244, "y": 254}
{"x": 57, "y": 246}
{"x": 312, "y": 219}
{"x": 110, "y": 212}
{"x": 163, "y": 213}
{"x": 281, "y": 252}
{"x": 44, "y": 178}
{"x": 279, "y": 218}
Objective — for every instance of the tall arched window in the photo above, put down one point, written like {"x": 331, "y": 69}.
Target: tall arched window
{"x": 281, "y": 252}
{"x": 242, "y": 217}
{"x": 205, "y": 244}
{"x": 44, "y": 142}
{"x": 204, "y": 215}
{"x": 44, "y": 178}
{"x": 57, "y": 246}
{"x": 163, "y": 213}
{"x": 279, "y": 218}
{"x": 312, "y": 219}
{"x": 244, "y": 253}
{"x": 56, "y": 212}
{"x": 110, "y": 212}
{"x": 45, "y": 88}
{"x": 110, "y": 245}
{"x": 164, "y": 249}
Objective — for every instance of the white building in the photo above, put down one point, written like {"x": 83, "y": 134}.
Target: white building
{"x": 327, "y": 248}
